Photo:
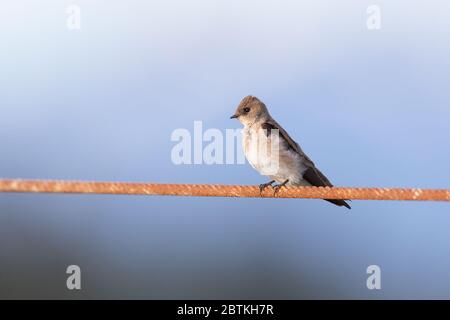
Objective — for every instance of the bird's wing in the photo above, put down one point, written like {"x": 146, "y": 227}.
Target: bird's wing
{"x": 311, "y": 174}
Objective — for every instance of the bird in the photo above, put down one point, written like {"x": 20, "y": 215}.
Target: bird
{"x": 293, "y": 167}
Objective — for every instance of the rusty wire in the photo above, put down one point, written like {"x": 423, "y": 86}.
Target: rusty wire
{"x": 213, "y": 190}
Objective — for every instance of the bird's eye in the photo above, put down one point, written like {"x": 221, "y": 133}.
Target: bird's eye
{"x": 246, "y": 110}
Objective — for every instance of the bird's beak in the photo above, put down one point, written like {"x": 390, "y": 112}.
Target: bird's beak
{"x": 234, "y": 116}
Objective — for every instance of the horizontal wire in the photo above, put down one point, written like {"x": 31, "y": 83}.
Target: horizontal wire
{"x": 215, "y": 190}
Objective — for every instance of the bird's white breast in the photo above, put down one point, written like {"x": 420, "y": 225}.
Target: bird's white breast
{"x": 251, "y": 144}
{"x": 278, "y": 162}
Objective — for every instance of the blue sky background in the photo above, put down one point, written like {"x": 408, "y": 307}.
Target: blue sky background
{"x": 371, "y": 108}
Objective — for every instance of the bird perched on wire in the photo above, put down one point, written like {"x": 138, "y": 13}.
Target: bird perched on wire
{"x": 273, "y": 153}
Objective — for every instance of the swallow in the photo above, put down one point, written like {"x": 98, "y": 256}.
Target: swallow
{"x": 293, "y": 167}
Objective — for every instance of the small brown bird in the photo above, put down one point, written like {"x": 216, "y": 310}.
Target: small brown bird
{"x": 293, "y": 167}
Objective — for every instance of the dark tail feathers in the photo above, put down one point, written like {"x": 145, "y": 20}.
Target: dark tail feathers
{"x": 339, "y": 202}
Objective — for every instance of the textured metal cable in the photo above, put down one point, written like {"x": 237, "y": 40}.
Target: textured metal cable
{"x": 211, "y": 190}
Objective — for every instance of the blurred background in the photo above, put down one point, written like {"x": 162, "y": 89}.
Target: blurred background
{"x": 370, "y": 107}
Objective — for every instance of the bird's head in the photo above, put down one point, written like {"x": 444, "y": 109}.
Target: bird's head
{"x": 249, "y": 110}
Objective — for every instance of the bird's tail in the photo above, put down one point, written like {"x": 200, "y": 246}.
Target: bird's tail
{"x": 339, "y": 202}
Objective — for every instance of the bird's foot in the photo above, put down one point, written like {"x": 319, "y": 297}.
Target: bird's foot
{"x": 277, "y": 188}
{"x": 265, "y": 185}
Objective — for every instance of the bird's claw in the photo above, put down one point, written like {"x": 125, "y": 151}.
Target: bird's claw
{"x": 277, "y": 188}
{"x": 262, "y": 186}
